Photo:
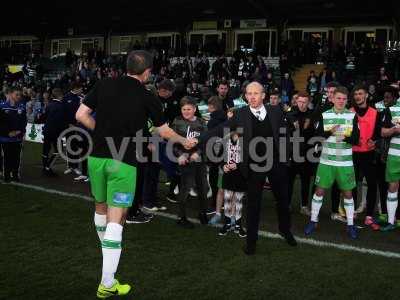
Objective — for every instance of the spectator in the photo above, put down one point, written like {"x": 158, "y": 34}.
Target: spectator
{"x": 192, "y": 167}
{"x": 166, "y": 89}
{"x": 56, "y": 123}
{"x": 312, "y": 86}
{"x": 373, "y": 96}
{"x": 12, "y": 131}
{"x": 71, "y": 103}
{"x": 217, "y": 117}
{"x": 32, "y": 108}
{"x": 287, "y": 88}
{"x": 223, "y": 95}
{"x": 234, "y": 187}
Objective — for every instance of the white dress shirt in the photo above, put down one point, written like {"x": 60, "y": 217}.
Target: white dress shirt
{"x": 260, "y": 113}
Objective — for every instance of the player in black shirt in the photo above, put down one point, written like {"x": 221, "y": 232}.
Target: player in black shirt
{"x": 123, "y": 107}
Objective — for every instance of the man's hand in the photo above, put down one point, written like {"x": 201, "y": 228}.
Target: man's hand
{"x": 190, "y": 143}
{"x": 14, "y": 133}
{"x": 151, "y": 147}
{"x": 229, "y": 167}
{"x": 285, "y": 107}
{"x": 195, "y": 157}
{"x": 182, "y": 160}
{"x": 232, "y": 166}
{"x": 334, "y": 129}
{"x": 370, "y": 144}
{"x": 307, "y": 123}
{"x": 340, "y": 138}
{"x": 226, "y": 169}
{"x": 296, "y": 125}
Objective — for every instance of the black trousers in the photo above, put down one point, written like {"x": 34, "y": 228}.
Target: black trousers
{"x": 74, "y": 146}
{"x": 364, "y": 165}
{"x": 278, "y": 177}
{"x": 213, "y": 174}
{"x": 150, "y": 186}
{"x": 83, "y": 148}
{"x": 305, "y": 173}
{"x": 49, "y": 143}
{"x": 1, "y": 158}
{"x": 138, "y": 198}
{"x": 174, "y": 181}
{"x": 193, "y": 175}
{"x": 12, "y": 159}
{"x": 335, "y": 198}
{"x": 382, "y": 184}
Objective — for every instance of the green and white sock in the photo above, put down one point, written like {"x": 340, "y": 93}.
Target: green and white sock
{"x": 316, "y": 205}
{"x": 349, "y": 208}
{"x": 111, "y": 247}
{"x": 100, "y": 221}
{"x": 392, "y": 203}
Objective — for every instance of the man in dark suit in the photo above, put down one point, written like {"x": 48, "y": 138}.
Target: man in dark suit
{"x": 266, "y": 148}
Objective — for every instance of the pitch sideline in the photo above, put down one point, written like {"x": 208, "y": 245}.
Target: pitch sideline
{"x": 265, "y": 234}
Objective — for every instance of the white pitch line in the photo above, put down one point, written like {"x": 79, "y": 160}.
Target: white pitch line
{"x": 262, "y": 233}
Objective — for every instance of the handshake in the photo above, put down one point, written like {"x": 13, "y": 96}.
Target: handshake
{"x": 229, "y": 167}
{"x": 185, "y": 158}
{"x": 189, "y": 143}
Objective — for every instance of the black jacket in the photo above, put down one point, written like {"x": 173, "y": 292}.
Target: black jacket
{"x": 71, "y": 103}
{"x": 216, "y": 118}
{"x": 305, "y": 128}
{"x": 172, "y": 108}
{"x": 227, "y": 103}
{"x": 242, "y": 122}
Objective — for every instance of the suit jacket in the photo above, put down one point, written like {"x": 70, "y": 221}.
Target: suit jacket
{"x": 242, "y": 121}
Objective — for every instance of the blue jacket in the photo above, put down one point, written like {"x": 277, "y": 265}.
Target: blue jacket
{"x": 12, "y": 118}
{"x": 56, "y": 121}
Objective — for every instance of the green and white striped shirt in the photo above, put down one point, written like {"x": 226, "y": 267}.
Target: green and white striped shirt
{"x": 380, "y": 106}
{"x": 394, "y": 147}
{"x": 335, "y": 153}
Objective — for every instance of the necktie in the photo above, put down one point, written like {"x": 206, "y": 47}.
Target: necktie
{"x": 258, "y": 115}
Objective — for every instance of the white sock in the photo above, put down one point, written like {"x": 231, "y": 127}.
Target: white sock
{"x": 100, "y": 221}
{"x": 349, "y": 208}
{"x": 316, "y": 205}
{"x": 111, "y": 247}
{"x": 392, "y": 203}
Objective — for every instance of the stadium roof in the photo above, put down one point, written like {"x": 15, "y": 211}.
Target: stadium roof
{"x": 46, "y": 18}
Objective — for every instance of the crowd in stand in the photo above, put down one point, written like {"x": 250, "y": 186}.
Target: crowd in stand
{"x": 212, "y": 92}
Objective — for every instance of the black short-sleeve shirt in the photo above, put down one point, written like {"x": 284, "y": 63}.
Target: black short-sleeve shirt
{"x": 123, "y": 107}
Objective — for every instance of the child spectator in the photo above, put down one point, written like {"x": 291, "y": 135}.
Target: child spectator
{"x": 192, "y": 167}
{"x": 217, "y": 117}
{"x": 234, "y": 186}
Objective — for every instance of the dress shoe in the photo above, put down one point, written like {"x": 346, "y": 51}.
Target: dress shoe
{"x": 288, "y": 236}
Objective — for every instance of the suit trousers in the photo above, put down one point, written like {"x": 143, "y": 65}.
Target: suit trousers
{"x": 278, "y": 177}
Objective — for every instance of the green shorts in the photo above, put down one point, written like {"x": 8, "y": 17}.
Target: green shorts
{"x": 112, "y": 181}
{"x": 392, "y": 169}
{"x": 327, "y": 175}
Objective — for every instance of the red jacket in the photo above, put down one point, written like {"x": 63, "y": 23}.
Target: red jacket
{"x": 367, "y": 125}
